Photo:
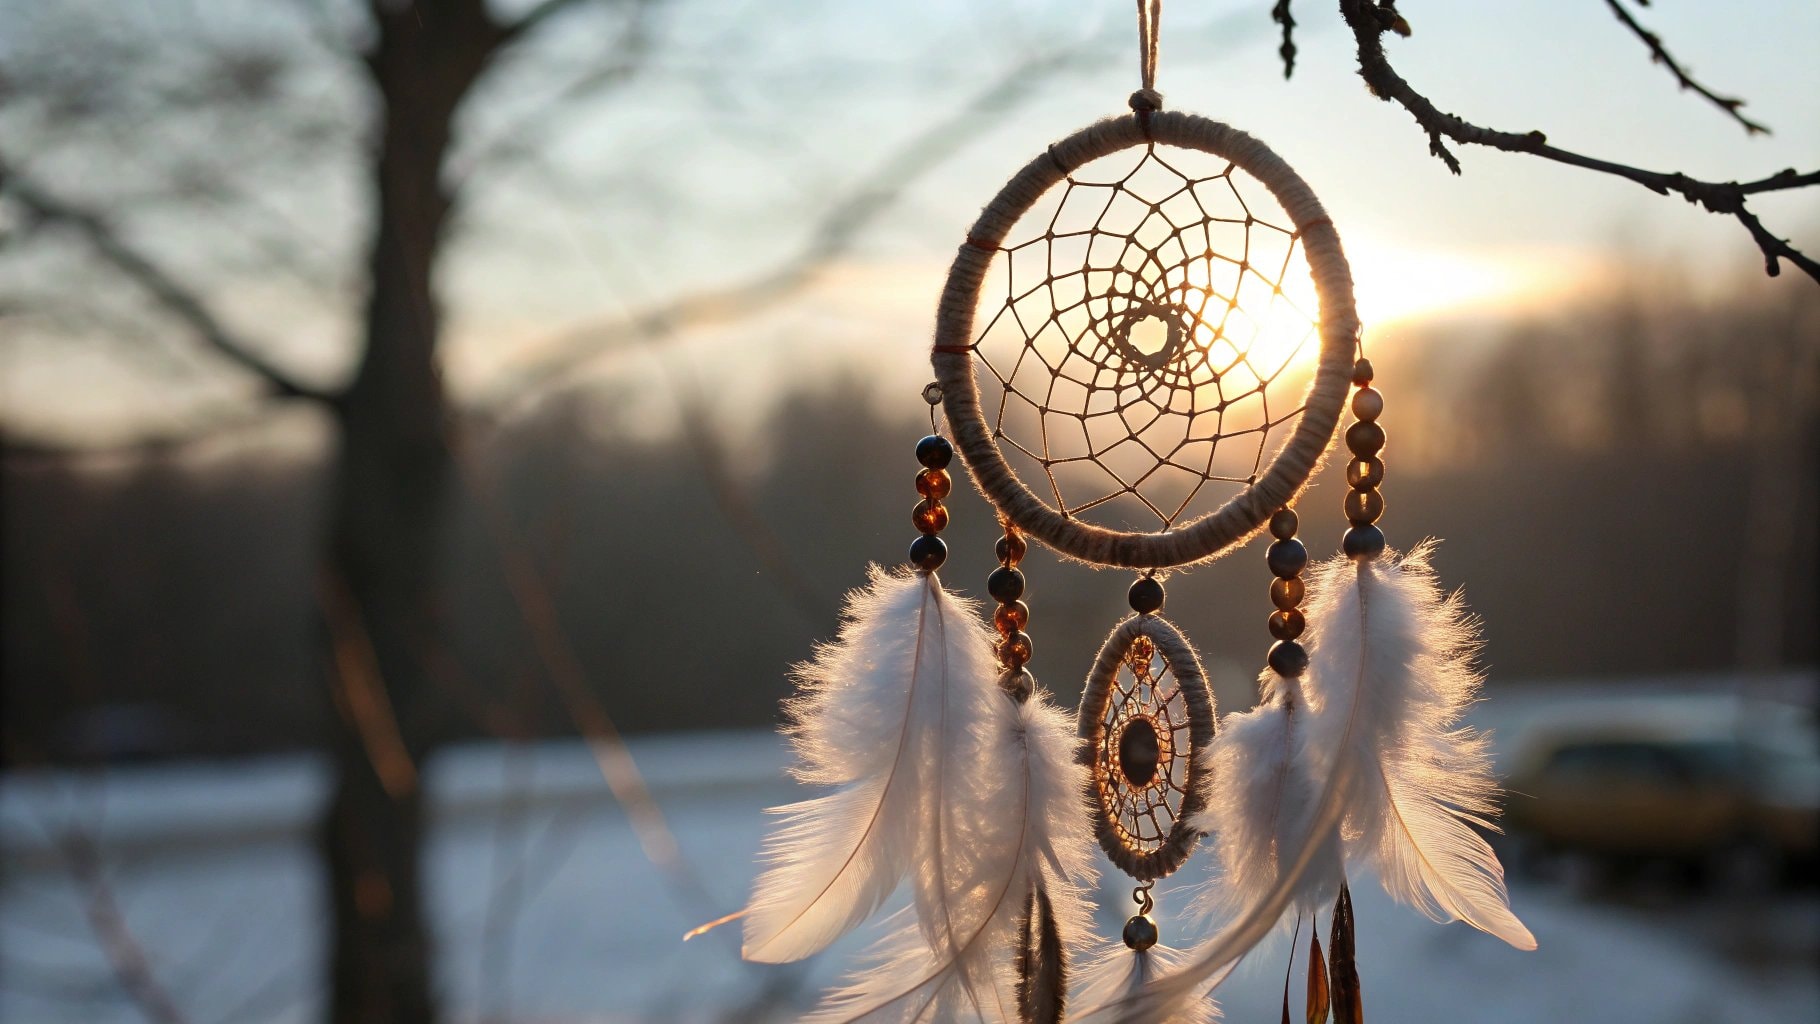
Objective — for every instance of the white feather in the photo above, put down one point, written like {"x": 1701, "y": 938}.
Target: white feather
{"x": 882, "y": 713}
{"x": 1389, "y": 675}
{"x": 1009, "y": 819}
{"x": 1259, "y": 803}
{"x": 1119, "y": 974}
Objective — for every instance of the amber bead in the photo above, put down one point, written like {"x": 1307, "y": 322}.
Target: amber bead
{"x": 1367, "y": 472}
{"x": 1005, "y": 584}
{"x": 1286, "y": 594}
{"x": 929, "y": 516}
{"x": 1140, "y": 933}
{"x": 1286, "y": 558}
{"x": 934, "y": 452}
{"x": 1367, "y": 404}
{"x": 1017, "y": 648}
{"x": 933, "y": 483}
{"x": 1145, "y": 595}
{"x": 1361, "y": 372}
{"x": 1011, "y": 548}
{"x": 1364, "y": 506}
{"x": 1018, "y": 682}
{"x": 1287, "y": 658}
{"x": 1287, "y": 624}
{"x": 928, "y": 552}
{"x": 1283, "y": 525}
{"x": 1011, "y": 617}
{"x": 1363, "y": 542}
{"x": 1363, "y": 439}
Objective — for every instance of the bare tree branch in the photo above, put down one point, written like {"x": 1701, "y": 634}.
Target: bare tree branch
{"x": 1659, "y": 54}
{"x": 1280, "y": 14}
{"x": 170, "y": 293}
{"x": 1369, "y": 21}
{"x": 628, "y": 57}
{"x": 834, "y": 234}
{"x": 531, "y": 19}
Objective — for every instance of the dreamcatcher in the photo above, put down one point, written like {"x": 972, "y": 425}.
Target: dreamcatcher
{"x": 1143, "y": 349}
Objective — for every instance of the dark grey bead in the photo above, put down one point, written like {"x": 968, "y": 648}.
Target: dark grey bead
{"x": 1145, "y": 595}
{"x": 928, "y": 552}
{"x": 1005, "y": 584}
{"x": 1363, "y": 542}
{"x": 934, "y": 451}
{"x": 1288, "y": 658}
{"x": 1364, "y": 439}
{"x": 1140, "y": 932}
{"x": 1287, "y": 558}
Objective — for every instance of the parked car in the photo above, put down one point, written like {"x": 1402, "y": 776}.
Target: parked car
{"x": 1713, "y": 793}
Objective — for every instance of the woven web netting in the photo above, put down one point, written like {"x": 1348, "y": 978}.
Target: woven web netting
{"x": 1146, "y": 333}
{"x": 1142, "y": 781}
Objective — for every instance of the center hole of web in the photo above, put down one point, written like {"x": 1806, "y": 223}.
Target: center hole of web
{"x": 1149, "y": 336}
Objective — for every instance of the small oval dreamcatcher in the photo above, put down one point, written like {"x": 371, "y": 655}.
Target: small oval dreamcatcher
{"x": 1143, "y": 349}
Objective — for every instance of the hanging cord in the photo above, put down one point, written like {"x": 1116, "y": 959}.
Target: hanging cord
{"x": 1147, "y": 100}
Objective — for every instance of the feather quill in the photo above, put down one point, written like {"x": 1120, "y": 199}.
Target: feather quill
{"x": 1011, "y": 818}
{"x": 1118, "y": 974}
{"x": 1389, "y": 676}
{"x": 881, "y": 712}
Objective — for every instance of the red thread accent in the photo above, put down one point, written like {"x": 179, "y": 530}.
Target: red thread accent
{"x": 954, "y": 349}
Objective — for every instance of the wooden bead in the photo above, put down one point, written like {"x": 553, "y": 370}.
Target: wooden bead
{"x": 1286, "y": 558}
{"x": 929, "y": 516}
{"x": 1145, "y": 595}
{"x": 1286, "y": 594}
{"x": 1011, "y": 548}
{"x": 933, "y": 483}
{"x": 928, "y": 552}
{"x": 1009, "y": 618}
{"x": 1361, "y": 372}
{"x": 1288, "y": 658}
{"x": 1367, "y": 472}
{"x": 1363, "y": 542}
{"x": 1363, "y": 439}
{"x": 1283, "y": 524}
{"x": 934, "y": 452}
{"x": 1287, "y": 625}
{"x": 1005, "y": 584}
{"x": 1368, "y": 404}
{"x": 1364, "y": 506}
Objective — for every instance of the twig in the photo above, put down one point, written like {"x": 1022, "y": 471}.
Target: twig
{"x": 1280, "y": 14}
{"x": 1369, "y": 24}
{"x": 1659, "y": 54}
{"x": 124, "y": 954}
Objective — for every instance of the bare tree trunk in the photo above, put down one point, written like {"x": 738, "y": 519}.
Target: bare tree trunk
{"x": 387, "y": 523}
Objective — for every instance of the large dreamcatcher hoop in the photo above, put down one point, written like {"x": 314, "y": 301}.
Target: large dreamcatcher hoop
{"x": 1126, "y": 323}
{"x": 1195, "y": 318}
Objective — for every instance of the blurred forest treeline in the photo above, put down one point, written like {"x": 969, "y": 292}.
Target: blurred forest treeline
{"x": 1626, "y": 486}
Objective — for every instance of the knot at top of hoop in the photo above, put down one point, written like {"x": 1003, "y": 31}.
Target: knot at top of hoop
{"x": 1146, "y": 101}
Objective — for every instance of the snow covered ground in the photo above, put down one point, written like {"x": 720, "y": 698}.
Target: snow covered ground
{"x": 546, "y": 908}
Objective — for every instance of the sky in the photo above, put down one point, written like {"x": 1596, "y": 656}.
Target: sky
{"x": 714, "y": 163}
